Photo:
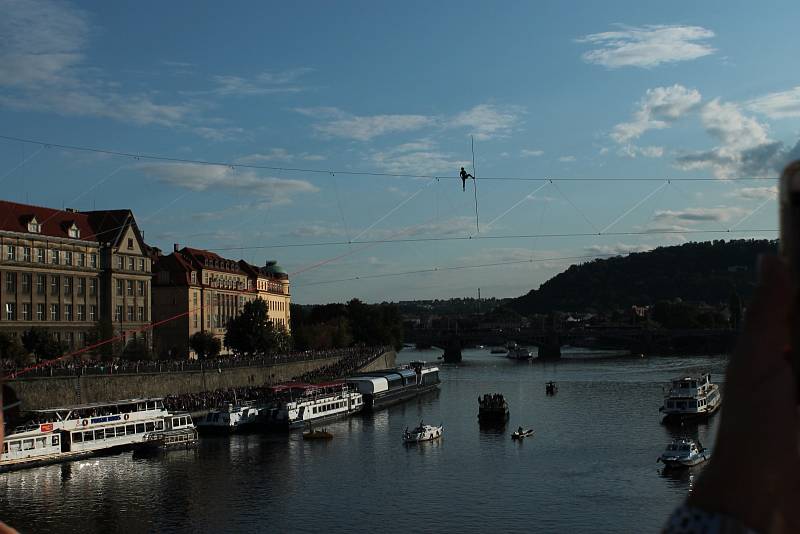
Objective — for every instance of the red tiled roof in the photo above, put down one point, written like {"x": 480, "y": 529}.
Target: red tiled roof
{"x": 209, "y": 260}
{"x": 15, "y": 217}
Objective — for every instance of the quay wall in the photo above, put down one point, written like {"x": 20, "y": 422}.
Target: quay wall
{"x": 50, "y": 392}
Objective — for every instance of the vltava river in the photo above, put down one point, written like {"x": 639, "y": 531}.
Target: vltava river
{"x": 591, "y": 466}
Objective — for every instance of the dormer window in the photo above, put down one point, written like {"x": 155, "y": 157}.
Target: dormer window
{"x": 74, "y": 231}
{"x": 34, "y": 226}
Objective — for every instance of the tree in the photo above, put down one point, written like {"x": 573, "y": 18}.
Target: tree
{"x": 136, "y": 350}
{"x": 252, "y": 333}
{"x": 103, "y": 330}
{"x": 205, "y": 345}
{"x": 11, "y": 349}
{"x": 38, "y": 341}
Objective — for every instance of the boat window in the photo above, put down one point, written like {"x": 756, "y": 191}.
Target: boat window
{"x": 27, "y": 444}
{"x": 41, "y": 443}
{"x": 184, "y": 421}
{"x": 160, "y": 405}
{"x": 684, "y": 447}
{"x": 120, "y": 431}
{"x": 88, "y": 436}
{"x": 77, "y": 437}
{"x": 314, "y": 410}
{"x": 140, "y": 407}
{"x": 110, "y": 432}
{"x": 139, "y": 428}
{"x": 56, "y": 439}
{"x": 159, "y": 425}
{"x": 149, "y": 426}
{"x": 5, "y": 448}
{"x": 130, "y": 429}
{"x": 16, "y": 446}
{"x": 151, "y": 405}
{"x": 175, "y": 421}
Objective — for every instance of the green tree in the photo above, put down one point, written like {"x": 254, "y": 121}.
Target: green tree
{"x": 252, "y": 333}
{"x": 136, "y": 350}
{"x": 103, "y": 330}
{"x": 205, "y": 345}
{"x": 11, "y": 349}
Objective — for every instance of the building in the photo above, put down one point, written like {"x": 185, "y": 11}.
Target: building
{"x": 61, "y": 270}
{"x": 272, "y": 285}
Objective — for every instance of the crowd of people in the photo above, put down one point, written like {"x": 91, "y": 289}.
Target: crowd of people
{"x": 352, "y": 359}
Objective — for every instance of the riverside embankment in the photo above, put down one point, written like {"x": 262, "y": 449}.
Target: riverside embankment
{"x": 39, "y": 393}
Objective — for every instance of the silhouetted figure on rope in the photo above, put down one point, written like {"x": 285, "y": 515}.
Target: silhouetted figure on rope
{"x": 464, "y": 175}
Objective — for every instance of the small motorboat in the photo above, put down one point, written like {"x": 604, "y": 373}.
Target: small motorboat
{"x": 684, "y": 452}
{"x": 520, "y": 433}
{"x": 422, "y": 433}
{"x": 317, "y": 434}
{"x": 551, "y": 388}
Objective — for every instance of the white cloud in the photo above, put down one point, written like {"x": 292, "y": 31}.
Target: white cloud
{"x": 696, "y": 215}
{"x": 780, "y": 105}
{"x": 362, "y": 128}
{"x": 420, "y": 158}
{"x": 647, "y": 46}
{"x": 658, "y": 108}
{"x": 527, "y": 153}
{"x": 196, "y": 177}
{"x": 262, "y": 84}
{"x": 279, "y": 154}
{"x": 487, "y": 121}
{"x": 754, "y": 193}
{"x": 566, "y": 159}
{"x": 618, "y": 249}
{"x": 452, "y": 226}
{"x": 320, "y": 229}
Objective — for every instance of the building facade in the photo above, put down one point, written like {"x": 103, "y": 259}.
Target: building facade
{"x": 57, "y": 271}
{"x": 272, "y": 285}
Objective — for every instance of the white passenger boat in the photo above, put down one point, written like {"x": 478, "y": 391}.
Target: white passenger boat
{"x": 684, "y": 452}
{"x": 691, "y": 397}
{"x": 179, "y": 433}
{"x": 73, "y": 432}
{"x": 422, "y": 433}
{"x": 230, "y": 418}
{"x": 303, "y": 404}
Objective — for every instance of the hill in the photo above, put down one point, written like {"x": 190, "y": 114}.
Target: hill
{"x": 701, "y": 272}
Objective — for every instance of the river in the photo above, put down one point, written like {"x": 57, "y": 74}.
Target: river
{"x": 591, "y": 466}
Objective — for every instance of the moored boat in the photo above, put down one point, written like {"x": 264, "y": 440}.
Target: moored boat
{"x": 230, "y": 418}
{"x": 179, "y": 433}
{"x": 390, "y": 386}
{"x": 691, "y": 397}
{"x": 684, "y": 452}
{"x": 298, "y": 405}
{"x": 519, "y": 353}
{"x": 422, "y": 432}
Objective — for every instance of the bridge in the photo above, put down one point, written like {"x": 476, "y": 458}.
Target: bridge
{"x": 634, "y": 339}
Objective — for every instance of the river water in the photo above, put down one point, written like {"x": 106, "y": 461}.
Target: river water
{"x": 591, "y": 466}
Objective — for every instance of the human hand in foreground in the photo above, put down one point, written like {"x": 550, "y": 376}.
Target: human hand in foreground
{"x": 754, "y": 473}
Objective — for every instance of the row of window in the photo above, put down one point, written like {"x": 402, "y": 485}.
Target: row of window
{"x": 277, "y": 305}
{"x": 141, "y": 313}
{"x": 71, "y": 285}
{"x": 117, "y": 431}
{"x": 126, "y": 287}
{"x": 129, "y": 262}
{"x": 54, "y": 256}
{"x": 30, "y": 444}
{"x": 330, "y": 406}
{"x": 39, "y": 312}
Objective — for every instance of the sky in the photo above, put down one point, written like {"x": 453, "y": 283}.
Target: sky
{"x": 565, "y": 97}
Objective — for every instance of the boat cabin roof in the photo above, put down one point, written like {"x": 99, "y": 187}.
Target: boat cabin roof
{"x": 704, "y": 377}
{"x": 302, "y": 386}
{"x": 92, "y": 405}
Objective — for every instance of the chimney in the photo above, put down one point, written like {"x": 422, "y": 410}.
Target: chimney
{"x": 70, "y": 210}
{"x": 175, "y": 247}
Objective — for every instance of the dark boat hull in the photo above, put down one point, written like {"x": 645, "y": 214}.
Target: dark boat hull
{"x": 378, "y": 402}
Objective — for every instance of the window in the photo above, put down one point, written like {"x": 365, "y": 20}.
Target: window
{"x": 130, "y": 429}
{"x": 77, "y": 437}
{"x": 40, "y": 283}
{"x": 131, "y": 263}
{"x": 26, "y": 283}
{"x": 40, "y": 255}
{"x": 130, "y": 243}
{"x": 120, "y": 262}
{"x": 141, "y": 264}
{"x": 81, "y": 259}
{"x": 139, "y": 428}
{"x": 81, "y": 286}
{"x": 55, "y": 257}
{"x": 26, "y": 254}
{"x": 88, "y": 436}
{"x": 67, "y": 286}
{"x": 140, "y": 288}
{"x": 68, "y": 257}
{"x": 54, "y": 312}
{"x": 118, "y": 313}
{"x": 119, "y": 288}
{"x": 93, "y": 262}
{"x": 92, "y": 312}
{"x": 11, "y": 311}
{"x": 140, "y": 315}
{"x": 93, "y": 287}
{"x": 150, "y": 426}
{"x": 110, "y": 432}
{"x": 27, "y": 444}
{"x": 26, "y": 311}
{"x": 34, "y": 226}
{"x": 11, "y": 282}
{"x": 11, "y": 253}
{"x": 40, "y": 312}
{"x": 130, "y": 313}
{"x": 54, "y": 285}
{"x": 67, "y": 312}
{"x": 195, "y": 320}
{"x": 74, "y": 232}
{"x": 130, "y": 287}
{"x": 99, "y": 434}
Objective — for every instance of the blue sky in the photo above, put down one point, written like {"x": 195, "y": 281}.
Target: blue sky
{"x": 555, "y": 90}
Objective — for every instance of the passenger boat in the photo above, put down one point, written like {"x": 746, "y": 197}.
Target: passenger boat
{"x": 551, "y": 388}
{"x": 179, "y": 433}
{"x": 684, "y": 452}
{"x": 519, "y": 353}
{"x": 304, "y": 404}
{"x": 691, "y": 397}
{"x": 390, "y": 386}
{"x": 422, "y": 433}
{"x": 521, "y": 434}
{"x": 492, "y": 408}
{"x": 73, "y": 432}
{"x": 230, "y": 418}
